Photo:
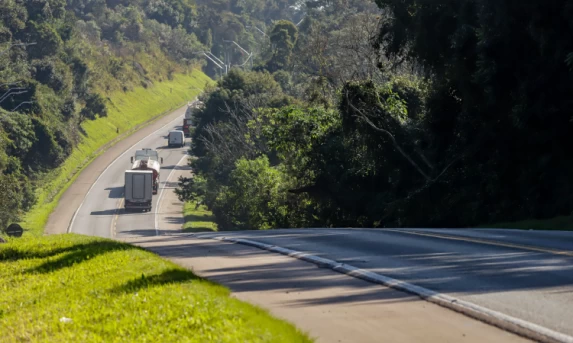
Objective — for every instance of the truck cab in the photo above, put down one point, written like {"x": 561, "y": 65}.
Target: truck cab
{"x": 187, "y": 127}
{"x": 147, "y": 153}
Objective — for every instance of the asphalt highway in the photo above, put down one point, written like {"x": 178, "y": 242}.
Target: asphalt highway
{"x": 524, "y": 274}
{"x": 102, "y": 214}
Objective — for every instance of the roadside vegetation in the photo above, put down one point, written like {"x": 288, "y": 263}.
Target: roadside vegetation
{"x": 198, "y": 218}
{"x": 350, "y": 119}
{"x": 127, "y": 111}
{"x": 71, "y": 287}
{"x": 68, "y": 73}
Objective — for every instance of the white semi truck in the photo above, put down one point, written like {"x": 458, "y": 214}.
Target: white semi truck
{"x": 151, "y": 165}
{"x": 148, "y": 159}
{"x": 138, "y": 190}
{"x": 146, "y": 153}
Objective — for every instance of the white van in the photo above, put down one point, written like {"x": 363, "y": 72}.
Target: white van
{"x": 176, "y": 138}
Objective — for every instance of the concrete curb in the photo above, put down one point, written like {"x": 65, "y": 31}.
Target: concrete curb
{"x": 505, "y": 322}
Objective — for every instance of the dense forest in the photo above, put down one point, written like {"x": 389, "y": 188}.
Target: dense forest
{"x": 385, "y": 113}
{"x": 371, "y": 113}
{"x": 58, "y": 62}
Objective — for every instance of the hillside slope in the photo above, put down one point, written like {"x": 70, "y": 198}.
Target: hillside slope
{"x": 63, "y": 65}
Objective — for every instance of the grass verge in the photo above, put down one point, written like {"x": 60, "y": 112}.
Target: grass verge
{"x": 198, "y": 219}
{"x": 127, "y": 111}
{"x": 564, "y": 223}
{"x": 115, "y": 292}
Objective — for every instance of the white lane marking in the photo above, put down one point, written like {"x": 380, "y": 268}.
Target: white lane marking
{"x": 70, "y": 227}
{"x": 503, "y": 321}
{"x": 161, "y": 194}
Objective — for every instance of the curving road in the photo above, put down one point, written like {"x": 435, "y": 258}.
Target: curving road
{"x": 524, "y": 274}
{"x": 102, "y": 214}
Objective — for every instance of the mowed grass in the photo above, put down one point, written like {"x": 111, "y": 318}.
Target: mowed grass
{"x": 564, "y": 223}
{"x": 114, "y": 292}
{"x": 198, "y": 220}
{"x": 126, "y": 112}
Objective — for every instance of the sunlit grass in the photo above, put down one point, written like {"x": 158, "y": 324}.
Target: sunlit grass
{"x": 198, "y": 220}
{"x": 126, "y": 112}
{"x": 73, "y": 288}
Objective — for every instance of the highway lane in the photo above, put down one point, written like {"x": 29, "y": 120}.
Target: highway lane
{"x": 102, "y": 214}
{"x": 556, "y": 241}
{"x": 532, "y": 285}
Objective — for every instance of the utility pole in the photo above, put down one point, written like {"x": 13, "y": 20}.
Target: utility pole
{"x": 221, "y": 62}
{"x": 245, "y": 51}
{"x": 216, "y": 61}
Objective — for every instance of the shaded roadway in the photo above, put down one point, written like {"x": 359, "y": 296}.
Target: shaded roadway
{"x": 531, "y": 285}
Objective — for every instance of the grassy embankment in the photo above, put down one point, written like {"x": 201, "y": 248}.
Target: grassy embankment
{"x": 114, "y": 292}
{"x": 198, "y": 220}
{"x": 127, "y": 111}
{"x": 557, "y": 223}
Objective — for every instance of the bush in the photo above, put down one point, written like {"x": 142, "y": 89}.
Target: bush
{"x": 95, "y": 106}
{"x": 255, "y": 197}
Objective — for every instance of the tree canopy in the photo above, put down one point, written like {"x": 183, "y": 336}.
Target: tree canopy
{"x": 402, "y": 113}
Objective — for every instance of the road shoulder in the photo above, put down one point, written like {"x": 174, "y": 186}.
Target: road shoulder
{"x": 330, "y": 306}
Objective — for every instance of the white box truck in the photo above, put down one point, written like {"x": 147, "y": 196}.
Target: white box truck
{"x": 138, "y": 190}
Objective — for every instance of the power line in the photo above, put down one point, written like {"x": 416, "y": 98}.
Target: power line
{"x": 13, "y": 45}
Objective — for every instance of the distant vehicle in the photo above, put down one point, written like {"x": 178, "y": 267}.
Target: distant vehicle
{"x": 138, "y": 189}
{"x": 176, "y": 138}
{"x": 187, "y": 127}
{"x": 146, "y": 153}
{"x": 151, "y": 165}
{"x": 192, "y": 108}
{"x": 189, "y": 111}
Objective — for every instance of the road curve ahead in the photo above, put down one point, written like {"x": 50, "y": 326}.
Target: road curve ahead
{"x": 102, "y": 214}
{"x": 523, "y": 274}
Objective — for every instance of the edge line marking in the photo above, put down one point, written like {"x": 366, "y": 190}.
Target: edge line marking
{"x": 505, "y": 322}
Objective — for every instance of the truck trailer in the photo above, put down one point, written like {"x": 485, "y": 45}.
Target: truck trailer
{"x": 151, "y": 165}
{"x": 138, "y": 190}
{"x": 192, "y": 108}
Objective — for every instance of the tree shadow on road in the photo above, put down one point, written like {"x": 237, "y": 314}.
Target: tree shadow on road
{"x": 273, "y": 273}
{"x": 473, "y": 272}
